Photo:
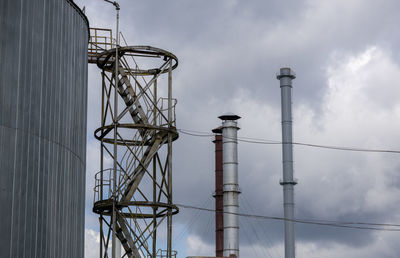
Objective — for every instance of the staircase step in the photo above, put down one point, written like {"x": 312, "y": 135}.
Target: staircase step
{"x": 140, "y": 170}
{"x": 126, "y": 238}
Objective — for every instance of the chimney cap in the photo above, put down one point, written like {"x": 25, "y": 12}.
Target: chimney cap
{"x": 229, "y": 116}
{"x": 286, "y": 72}
{"x": 217, "y": 130}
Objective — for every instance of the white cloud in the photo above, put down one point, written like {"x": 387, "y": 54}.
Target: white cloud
{"x": 92, "y": 243}
{"x": 196, "y": 247}
{"x": 384, "y": 247}
{"x": 340, "y": 185}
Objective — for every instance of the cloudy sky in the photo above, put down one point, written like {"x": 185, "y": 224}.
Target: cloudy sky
{"x": 345, "y": 54}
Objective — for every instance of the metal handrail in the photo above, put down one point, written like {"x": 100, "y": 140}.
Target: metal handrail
{"x": 103, "y": 185}
{"x": 161, "y": 117}
{"x": 164, "y": 254}
{"x": 100, "y": 40}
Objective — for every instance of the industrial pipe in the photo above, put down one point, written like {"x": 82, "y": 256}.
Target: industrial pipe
{"x": 231, "y": 187}
{"x": 218, "y": 195}
{"x": 286, "y": 76}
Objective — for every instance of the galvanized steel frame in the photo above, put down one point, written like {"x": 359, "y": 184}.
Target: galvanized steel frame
{"x": 144, "y": 136}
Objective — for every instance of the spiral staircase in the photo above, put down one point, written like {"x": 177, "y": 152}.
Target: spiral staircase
{"x": 136, "y": 133}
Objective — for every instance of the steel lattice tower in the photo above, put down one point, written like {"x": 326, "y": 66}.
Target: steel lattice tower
{"x": 137, "y": 129}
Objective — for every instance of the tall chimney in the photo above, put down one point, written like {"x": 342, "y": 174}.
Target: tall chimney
{"x": 286, "y": 76}
{"x": 219, "y": 201}
{"x": 231, "y": 186}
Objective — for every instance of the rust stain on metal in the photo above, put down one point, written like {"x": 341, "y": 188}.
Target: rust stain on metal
{"x": 219, "y": 201}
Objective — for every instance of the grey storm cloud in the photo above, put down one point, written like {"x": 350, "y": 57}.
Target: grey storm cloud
{"x": 346, "y": 57}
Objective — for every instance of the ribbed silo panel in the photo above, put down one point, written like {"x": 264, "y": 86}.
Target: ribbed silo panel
{"x": 43, "y": 96}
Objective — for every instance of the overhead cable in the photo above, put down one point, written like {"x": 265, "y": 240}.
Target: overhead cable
{"x": 273, "y": 142}
{"x": 339, "y": 224}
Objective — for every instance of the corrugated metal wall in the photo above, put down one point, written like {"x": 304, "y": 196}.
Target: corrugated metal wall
{"x": 43, "y": 99}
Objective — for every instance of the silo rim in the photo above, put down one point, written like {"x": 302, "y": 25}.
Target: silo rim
{"x": 82, "y": 14}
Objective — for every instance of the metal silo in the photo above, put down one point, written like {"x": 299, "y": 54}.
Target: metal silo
{"x": 43, "y": 96}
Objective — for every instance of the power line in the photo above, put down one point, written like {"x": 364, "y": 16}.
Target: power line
{"x": 254, "y": 229}
{"x": 259, "y": 226}
{"x": 244, "y": 230}
{"x": 339, "y": 224}
{"x": 189, "y": 225}
{"x": 273, "y": 142}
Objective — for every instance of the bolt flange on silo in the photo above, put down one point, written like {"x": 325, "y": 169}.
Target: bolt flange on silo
{"x": 231, "y": 186}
